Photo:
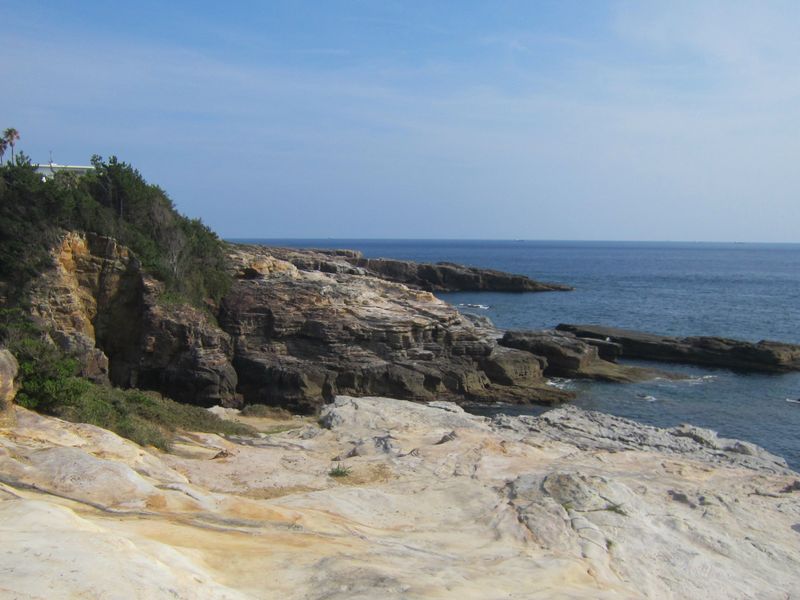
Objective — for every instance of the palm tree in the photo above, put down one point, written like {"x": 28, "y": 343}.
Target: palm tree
{"x": 11, "y": 135}
{"x": 3, "y": 146}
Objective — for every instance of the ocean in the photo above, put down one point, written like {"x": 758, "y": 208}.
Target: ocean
{"x": 744, "y": 291}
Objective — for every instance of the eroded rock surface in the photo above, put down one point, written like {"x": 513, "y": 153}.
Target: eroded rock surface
{"x": 8, "y": 385}
{"x": 303, "y": 335}
{"x": 297, "y": 328}
{"x": 97, "y": 303}
{"x": 436, "y": 503}
{"x": 708, "y": 351}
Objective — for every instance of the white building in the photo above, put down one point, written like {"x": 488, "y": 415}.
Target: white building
{"x": 49, "y": 170}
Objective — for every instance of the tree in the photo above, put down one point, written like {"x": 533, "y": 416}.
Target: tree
{"x": 11, "y": 135}
{"x": 3, "y": 146}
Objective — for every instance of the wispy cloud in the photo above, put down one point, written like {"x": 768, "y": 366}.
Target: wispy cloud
{"x": 680, "y": 116}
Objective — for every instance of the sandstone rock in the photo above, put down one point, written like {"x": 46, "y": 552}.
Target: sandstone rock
{"x": 8, "y": 387}
{"x": 437, "y": 504}
{"x": 97, "y": 304}
{"x": 303, "y": 336}
{"x": 708, "y": 351}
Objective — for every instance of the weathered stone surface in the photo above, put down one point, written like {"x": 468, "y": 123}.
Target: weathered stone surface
{"x": 8, "y": 387}
{"x": 436, "y": 504}
{"x": 564, "y": 355}
{"x": 97, "y": 303}
{"x": 709, "y": 351}
{"x": 303, "y": 336}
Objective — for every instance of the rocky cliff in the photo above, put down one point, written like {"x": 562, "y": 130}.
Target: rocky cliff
{"x": 297, "y": 328}
{"x": 303, "y": 334}
{"x": 300, "y": 327}
{"x": 430, "y": 502}
{"x": 98, "y": 303}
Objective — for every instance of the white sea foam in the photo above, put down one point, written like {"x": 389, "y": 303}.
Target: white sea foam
{"x": 480, "y": 306}
{"x": 560, "y": 383}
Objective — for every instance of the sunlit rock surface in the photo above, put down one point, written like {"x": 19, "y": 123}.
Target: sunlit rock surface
{"x": 435, "y": 504}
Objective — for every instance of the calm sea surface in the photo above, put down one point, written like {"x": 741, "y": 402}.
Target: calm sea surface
{"x": 745, "y": 291}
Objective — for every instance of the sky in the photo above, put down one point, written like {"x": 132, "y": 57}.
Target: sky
{"x": 528, "y": 119}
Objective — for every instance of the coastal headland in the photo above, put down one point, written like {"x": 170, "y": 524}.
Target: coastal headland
{"x": 335, "y": 460}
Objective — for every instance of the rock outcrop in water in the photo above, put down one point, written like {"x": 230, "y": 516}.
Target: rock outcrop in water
{"x": 765, "y": 356}
{"x": 432, "y": 277}
{"x": 565, "y": 355}
{"x": 433, "y": 503}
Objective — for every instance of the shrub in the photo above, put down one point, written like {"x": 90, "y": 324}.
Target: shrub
{"x": 339, "y": 471}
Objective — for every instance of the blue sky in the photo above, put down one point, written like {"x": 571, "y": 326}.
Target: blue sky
{"x": 522, "y": 120}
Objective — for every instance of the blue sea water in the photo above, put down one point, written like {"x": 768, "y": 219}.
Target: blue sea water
{"x": 744, "y": 291}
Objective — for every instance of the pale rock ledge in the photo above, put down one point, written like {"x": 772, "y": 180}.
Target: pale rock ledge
{"x": 437, "y": 504}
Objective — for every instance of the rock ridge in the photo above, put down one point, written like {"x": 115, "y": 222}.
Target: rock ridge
{"x": 768, "y": 356}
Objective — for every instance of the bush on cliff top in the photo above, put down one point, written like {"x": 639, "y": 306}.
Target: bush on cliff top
{"x": 49, "y": 384}
{"x": 113, "y": 200}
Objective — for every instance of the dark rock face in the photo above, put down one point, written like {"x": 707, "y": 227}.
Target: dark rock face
{"x": 564, "y": 355}
{"x": 708, "y": 351}
{"x": 439, "y": 277}
{"x": 302, "y": 335}
{"x": 449, "y": 277}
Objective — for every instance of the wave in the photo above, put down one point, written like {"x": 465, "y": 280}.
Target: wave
{"x": 480, "y": 306}
{"x": 561, "y": 383}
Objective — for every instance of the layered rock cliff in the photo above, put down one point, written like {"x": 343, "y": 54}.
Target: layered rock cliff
{"x": 430, "y": 502}
{"x": 97, "y": 303}
{"x": 297, "y": 328}
{"x": 304, "y": 334}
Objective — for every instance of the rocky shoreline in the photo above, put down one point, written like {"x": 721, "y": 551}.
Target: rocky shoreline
{"x": 382, "y": 496}
{"x": 395, "y": 499}
{"x": 300, "y": 327}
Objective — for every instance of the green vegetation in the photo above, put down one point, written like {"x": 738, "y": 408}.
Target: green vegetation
{"x": 339, "y": 471}
{"x": 113, "y": 200}
{"x": 264, "y": 411}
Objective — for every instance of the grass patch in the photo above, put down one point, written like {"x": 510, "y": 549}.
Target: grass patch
{"x": 143, "y": 417}
{"x": 339, "y": 471}
{"x": 263, "y": 411}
